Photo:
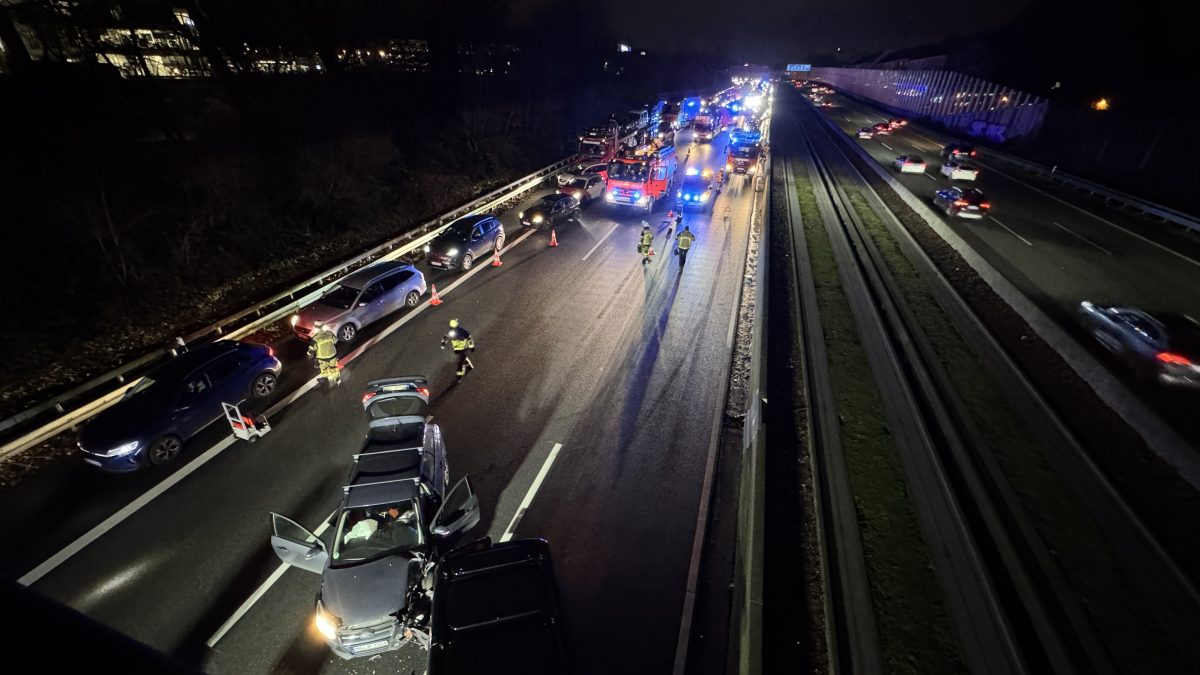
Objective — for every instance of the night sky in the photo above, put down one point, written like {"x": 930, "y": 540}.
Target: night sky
{"x": 791, "y": 30}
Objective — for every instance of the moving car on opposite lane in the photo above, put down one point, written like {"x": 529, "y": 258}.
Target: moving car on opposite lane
{"x": 909, "y": 164}
{"x": 962, "y": 202}
{"x": 955, "y": 170}
{"x": 1162, "y": 346}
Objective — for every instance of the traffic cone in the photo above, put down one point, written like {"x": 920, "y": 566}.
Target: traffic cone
{"x": 553, "y": 238}
{"x": 496, "y": 259}
{"x": 436, "y": 299}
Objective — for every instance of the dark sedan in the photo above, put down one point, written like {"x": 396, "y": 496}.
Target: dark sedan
{"x": 550, "y": 210}
{"x": 1164, "y": 347}
{"x": 465, "y": 241}
{"x": 175, "y": 402}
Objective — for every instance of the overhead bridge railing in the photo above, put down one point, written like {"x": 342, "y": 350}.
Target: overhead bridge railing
{"x": 86, "y": 400}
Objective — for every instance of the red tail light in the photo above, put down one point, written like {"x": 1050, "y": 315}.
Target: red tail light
{"x": 270, "y": 351}
{"x": 985, "y": 205}
{"x": 1174, "y": 359}
{"x": 972, "y": 153}
{"x": 960, "y": 202}
{"x": 368, "y": 396}
{"x": 424, "y": 391}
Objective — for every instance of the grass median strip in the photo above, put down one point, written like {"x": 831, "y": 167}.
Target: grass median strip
{"x": 1130, "y": 631}
{"x": 915, "y": 634}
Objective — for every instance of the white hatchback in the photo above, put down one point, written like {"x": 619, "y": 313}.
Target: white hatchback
{"x": 956, "y": 171}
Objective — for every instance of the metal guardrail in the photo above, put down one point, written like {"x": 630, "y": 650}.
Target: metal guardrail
{"x": 1109, "y": 194}
{"x": 263, "y": 313}
{"x": 1145, "y": 206}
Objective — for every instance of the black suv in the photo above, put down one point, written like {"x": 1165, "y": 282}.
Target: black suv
{"x": 958, "y": 151}
{"x": 498, "y": 599}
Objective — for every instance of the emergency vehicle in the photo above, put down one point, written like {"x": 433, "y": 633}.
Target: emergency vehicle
{"x": 742, "y": 158}
{"x": 704, "y": 128}
{"x": 642, "y": 177}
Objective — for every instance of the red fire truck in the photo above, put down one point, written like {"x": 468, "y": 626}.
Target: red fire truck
{"x": 642, "y": 177}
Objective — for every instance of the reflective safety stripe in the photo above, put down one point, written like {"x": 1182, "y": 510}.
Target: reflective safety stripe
{"x": 324, "y": 344}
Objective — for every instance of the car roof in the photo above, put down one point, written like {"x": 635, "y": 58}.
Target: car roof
{"x": 181, "y": 366}
{"x": 380, "y": 477}
{"x": 472, "y": 220}
{"x": 364, "y": 276}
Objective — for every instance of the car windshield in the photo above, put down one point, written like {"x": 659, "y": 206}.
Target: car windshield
{"x": 695, "y": 185}
{"x": 547, "y": 202}
{"x": 340, "y": 298}
{"x": 973, "y": 196}
{"x": 457, "y": 232}
{"x": 744, "y": 151}
{"x": 914, "y": 159}
{"x": 368, "y": 532}
{"x": 631, "y": 171}
{"x": 703, "y": 126}
{"x": 579, "y": 183}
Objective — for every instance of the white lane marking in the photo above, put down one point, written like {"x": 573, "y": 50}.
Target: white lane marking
{"x": 1080, "y": 236}
{"x": 153, "y": 493}
{"x": 886, "y": 145}
{"x": 1085, "y": 212}
{"x": 1011, "y": 231}
{"x": 601, "y": 241}
{"x": 260, "y": 591}
{"x": 116, "y": 518}
{"x": 928, "y": 176}
{"x": 537, "y": 483}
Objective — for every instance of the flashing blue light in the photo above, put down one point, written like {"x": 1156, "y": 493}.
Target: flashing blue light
{"x": 637, "y": 195}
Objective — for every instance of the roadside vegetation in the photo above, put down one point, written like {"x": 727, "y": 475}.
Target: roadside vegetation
{"x": 1128, "y": 629}
{"x": 915, "y": 633}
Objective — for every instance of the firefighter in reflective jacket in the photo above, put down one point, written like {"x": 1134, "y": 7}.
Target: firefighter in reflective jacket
{"x": 460, "y": 341}
{"x": 644, "y": 243}
{"x": 685, "y": 239}
{"x": 324, "y": 347}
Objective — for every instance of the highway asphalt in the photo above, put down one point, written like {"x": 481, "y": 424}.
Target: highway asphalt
{"x": 620, "y": 365}
{"x": 1057, "y": 246}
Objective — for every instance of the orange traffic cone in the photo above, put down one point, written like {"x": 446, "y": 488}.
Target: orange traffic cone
{"x": 496, "y": 259}
{"x": 436, "y": 299}
{"x": 671, "y": 215}
{"x": 553, "y": 238}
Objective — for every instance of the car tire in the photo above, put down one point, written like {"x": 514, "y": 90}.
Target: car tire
{"x": 264, "y": 385}
{"x": 164, "y": 450}
{"x": 347, "y": 333}
{"x": 467, "y": 262}
{"x": 412, "y": 299}
{"x": 499, "y": 241}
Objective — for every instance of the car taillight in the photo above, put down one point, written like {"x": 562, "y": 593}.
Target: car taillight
{"x": 424, "y": 391}
{"x": 270, "y": 351}
{"x": 368, "y": 396}
{"x": 1173, "y": 359}
{"x": 960, "y": 202}
{"x": 985, "y": 205}
{"x": 972, "y": 153}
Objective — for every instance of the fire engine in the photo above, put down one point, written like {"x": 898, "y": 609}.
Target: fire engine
{"x": 742, "y": 158}
{"x": 642, "y": 177}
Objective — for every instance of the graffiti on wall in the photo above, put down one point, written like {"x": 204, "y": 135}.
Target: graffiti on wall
{"x": 990, "y": 130}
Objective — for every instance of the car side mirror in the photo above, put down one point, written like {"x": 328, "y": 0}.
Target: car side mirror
{"x": 440, "y": 531}
{"x": 362, "y": 304}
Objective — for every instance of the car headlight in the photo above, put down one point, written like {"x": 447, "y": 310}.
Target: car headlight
{"x": 578, "y": 195}
{"x": 704, "y": 197}
{"x": 124, "y": 449}
{"x": 643, "y": 200}
{"x": 610, "y": 197}
{"x": 679, "y": 193}
{"x": 427, "y": 248}
{"x": 295, "y": 320}
{"x": 521, "y": 214}
{"x": 538, "y": 218}
{"x": 451, "y": 253}
{"x": 325, "y": 623}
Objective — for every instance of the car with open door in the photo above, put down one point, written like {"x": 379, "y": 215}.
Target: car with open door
{"x": 500, "y": 600}
{"x": 398, "y": 514}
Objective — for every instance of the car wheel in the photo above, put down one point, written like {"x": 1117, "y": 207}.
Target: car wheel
{"x": 499, "y": 241}
{"x": 347, "y": 333}
{"x": 264, "y": 385}
{"x": 468, "y": 261}
{"x": 164, "y": 450}
{"x": 412, "y": 299}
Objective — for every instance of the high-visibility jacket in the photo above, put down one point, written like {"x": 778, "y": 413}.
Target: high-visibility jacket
{"x": 323, "y": 345}
{"x": 685, "y": 239}
{"x": 460, "y": 340}
{"x": 647, "y": 238}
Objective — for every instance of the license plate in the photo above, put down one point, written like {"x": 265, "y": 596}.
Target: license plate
{"x": 91, "y": 461}
{"x": 369, "y": 647}
{"x": 434, "y": 263}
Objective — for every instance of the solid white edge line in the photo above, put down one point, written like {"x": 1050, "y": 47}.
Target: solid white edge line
{"x": 260, "y": 592}
{"x": 1085, "y": 212}
{"x": 886, "y": 146}
{"x": 533, "y": 488}
{"x": 601, "y": 240}
{"x": 153, "y": 493}
{"x": 1080, "y": 236}
{"x": 1010, "y": 230}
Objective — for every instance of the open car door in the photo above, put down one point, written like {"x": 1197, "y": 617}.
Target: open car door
{"x": 459, "y": 511}
{"x": 297, "y": 546}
